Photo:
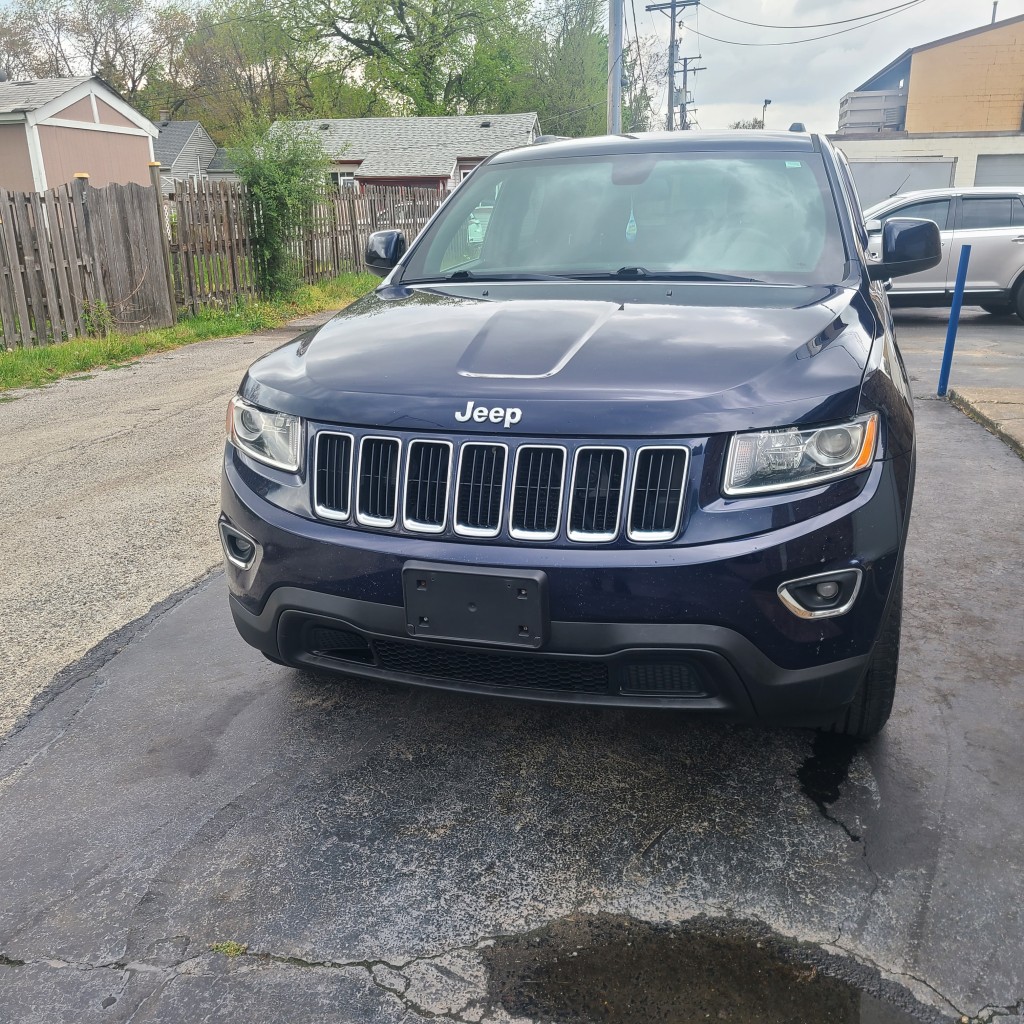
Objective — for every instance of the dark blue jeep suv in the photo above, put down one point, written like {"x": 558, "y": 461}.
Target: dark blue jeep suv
{"x": 625, "y": 425}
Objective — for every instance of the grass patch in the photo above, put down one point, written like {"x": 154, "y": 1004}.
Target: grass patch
{"x": 33, "y": 367}
{"x": 230, "y": 948}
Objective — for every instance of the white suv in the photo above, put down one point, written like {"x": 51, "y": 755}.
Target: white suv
{"x": 990, "y": 220}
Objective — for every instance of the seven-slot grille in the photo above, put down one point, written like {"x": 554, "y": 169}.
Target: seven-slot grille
{"x": 657, "y": 504}
{"x": 596, "y": 494}
{"x": 333, "y": 475}
{"x": 432, "y": 485}
{"x": 426, "y": 485}
{"x": 377, "y": 491}
{"x": 537, "y": 492}
{"x": 480, "y": 489}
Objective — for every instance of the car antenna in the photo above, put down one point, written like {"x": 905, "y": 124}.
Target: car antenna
{"x": 898, "y": 187}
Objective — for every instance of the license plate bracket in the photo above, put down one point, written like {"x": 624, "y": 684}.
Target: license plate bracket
{"x": 476, "y": 604}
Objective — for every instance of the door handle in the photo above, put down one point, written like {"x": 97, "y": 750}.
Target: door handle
{"x": 1019, "y": 239}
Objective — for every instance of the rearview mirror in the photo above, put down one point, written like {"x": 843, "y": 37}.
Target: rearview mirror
{"x": 383, "y": 251}
{"x": 908, "y": 247}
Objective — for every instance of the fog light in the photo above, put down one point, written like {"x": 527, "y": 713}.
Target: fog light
{"x": 240, "y": 550}
{"x": 822, "y": 596}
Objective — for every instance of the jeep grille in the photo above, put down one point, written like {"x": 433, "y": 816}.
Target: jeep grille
{"x": 537, "y": 492}
{"x": 480, "y": 489}
{"x": 656, "y": 507}
{"x": 596, "y": 494}
{"x": 486, "y": 489}
{"x": 377, "y": 494}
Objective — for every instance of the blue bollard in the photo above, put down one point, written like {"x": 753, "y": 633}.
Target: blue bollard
{"x": 954, "y": 319}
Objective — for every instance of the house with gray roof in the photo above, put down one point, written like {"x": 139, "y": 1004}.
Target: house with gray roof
{"x": 184, "y": 149}
{"x": 54, "y": 128}
{"x": 424, "y": 152}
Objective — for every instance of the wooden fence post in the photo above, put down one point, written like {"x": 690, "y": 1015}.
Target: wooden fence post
{"x": 94, "y": 272}
{"x": 154, "y": 177}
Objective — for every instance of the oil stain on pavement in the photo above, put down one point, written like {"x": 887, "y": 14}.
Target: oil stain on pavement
{"x": 614, "y": 970}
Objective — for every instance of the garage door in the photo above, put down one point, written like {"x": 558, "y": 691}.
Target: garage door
{"x": 1000, "y": 169}
{"x": 878, "y": 179}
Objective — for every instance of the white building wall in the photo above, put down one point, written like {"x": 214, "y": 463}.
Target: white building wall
{"x": 964, "y": 149}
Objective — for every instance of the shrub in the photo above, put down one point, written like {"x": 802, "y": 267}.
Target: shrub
{"x": 285, "y": 170}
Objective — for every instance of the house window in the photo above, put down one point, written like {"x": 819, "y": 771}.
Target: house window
{"x": 343, "y": 179}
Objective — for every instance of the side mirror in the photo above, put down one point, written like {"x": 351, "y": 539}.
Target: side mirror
{"x": 908, "y": 247}
{"x": 873, "y": 226}
{"x": 383, "y": 250}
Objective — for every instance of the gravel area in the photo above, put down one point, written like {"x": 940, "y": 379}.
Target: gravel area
{"x": 110, "y": 485}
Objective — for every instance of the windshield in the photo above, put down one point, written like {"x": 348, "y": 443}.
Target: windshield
{"x": 766, "y": 217}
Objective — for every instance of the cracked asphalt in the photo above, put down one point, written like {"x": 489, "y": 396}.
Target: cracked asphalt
{"x": 384, "y": 854}
{"x": 369, "y": 844}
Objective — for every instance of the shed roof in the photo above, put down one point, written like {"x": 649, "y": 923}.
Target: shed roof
{"x": 26, "y": 96}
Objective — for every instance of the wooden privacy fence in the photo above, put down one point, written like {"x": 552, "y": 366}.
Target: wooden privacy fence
{"x": 78, "y": 260}
{"x": 82, "y": 260}
{"x": 211, "y": 250}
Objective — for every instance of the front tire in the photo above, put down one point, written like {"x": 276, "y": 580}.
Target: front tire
{"x": 1018, "y": 299}
{"x": 870, "y": 709}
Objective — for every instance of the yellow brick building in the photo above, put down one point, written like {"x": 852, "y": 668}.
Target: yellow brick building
{"x": 945, "y": 113}
{"x": 969, "y": 82}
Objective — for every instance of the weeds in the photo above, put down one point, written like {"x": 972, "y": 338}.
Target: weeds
{"x": 33, "y": 367}
{"x": 230, "y": 948}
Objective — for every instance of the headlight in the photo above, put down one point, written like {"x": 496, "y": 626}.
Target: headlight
{"x": 780, "y": 460}
{"x": 274, "y": 438}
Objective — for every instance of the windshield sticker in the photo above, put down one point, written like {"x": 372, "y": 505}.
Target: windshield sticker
{"x": 631, "y": 225}
{"x": 792, "y": 163}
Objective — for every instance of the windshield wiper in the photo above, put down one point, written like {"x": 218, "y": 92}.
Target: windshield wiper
{"x": 642, "y": 273}
{"x": 483, "y": 275}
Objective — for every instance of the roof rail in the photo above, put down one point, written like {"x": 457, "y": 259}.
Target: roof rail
{"x": 542, "y": 139}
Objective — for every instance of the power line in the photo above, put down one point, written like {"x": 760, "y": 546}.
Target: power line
{"x": 818, "y": 24}
{"x": 808, "y": 39}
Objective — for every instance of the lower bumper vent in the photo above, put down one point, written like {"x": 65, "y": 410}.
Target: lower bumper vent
{"x": 487, "y": 669}
{"x": 668, "y": 680}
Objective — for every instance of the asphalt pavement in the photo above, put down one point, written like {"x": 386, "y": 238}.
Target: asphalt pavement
{"x": 110, "y": 485}
{"x": 191, "y": 833}
{"x": 987, "y": 379}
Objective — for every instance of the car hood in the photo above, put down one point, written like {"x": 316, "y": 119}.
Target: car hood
{"x": 601, "y": 360}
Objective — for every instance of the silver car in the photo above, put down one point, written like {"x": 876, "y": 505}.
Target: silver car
{"x": 991, "y": 220}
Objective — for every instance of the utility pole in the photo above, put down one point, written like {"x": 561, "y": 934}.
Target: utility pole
{"x": 672, "y": 7}
{"x": 614, "y": 67}
{"x": 684, "y": 117}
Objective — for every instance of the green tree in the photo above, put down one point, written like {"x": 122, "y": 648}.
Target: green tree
{"x": 240, "y": 62}
{"x": 565, "y": 77}
{"x": 425, "y": 56}
{"x": 285, "y": 169}
{"x": 753, "y": 122}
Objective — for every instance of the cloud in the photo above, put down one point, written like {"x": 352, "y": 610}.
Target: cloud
{"x": 804, "y": 81}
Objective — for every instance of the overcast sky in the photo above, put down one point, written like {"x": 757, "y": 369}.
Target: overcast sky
{"x": 804, "y": 81}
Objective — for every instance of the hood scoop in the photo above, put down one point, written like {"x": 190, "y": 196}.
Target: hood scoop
{"x": 524, "y": 341}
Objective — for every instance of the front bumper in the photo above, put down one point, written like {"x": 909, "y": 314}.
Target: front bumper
{"x": 698, "y": 627}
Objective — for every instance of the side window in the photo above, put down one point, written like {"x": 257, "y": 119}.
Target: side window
{"x": 1017, "y": 213}
{"x": 931, "y": 209}
{"x": 978, "y": 214}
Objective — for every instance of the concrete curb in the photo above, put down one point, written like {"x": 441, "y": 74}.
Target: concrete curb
{"x": 999, "y": 410}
